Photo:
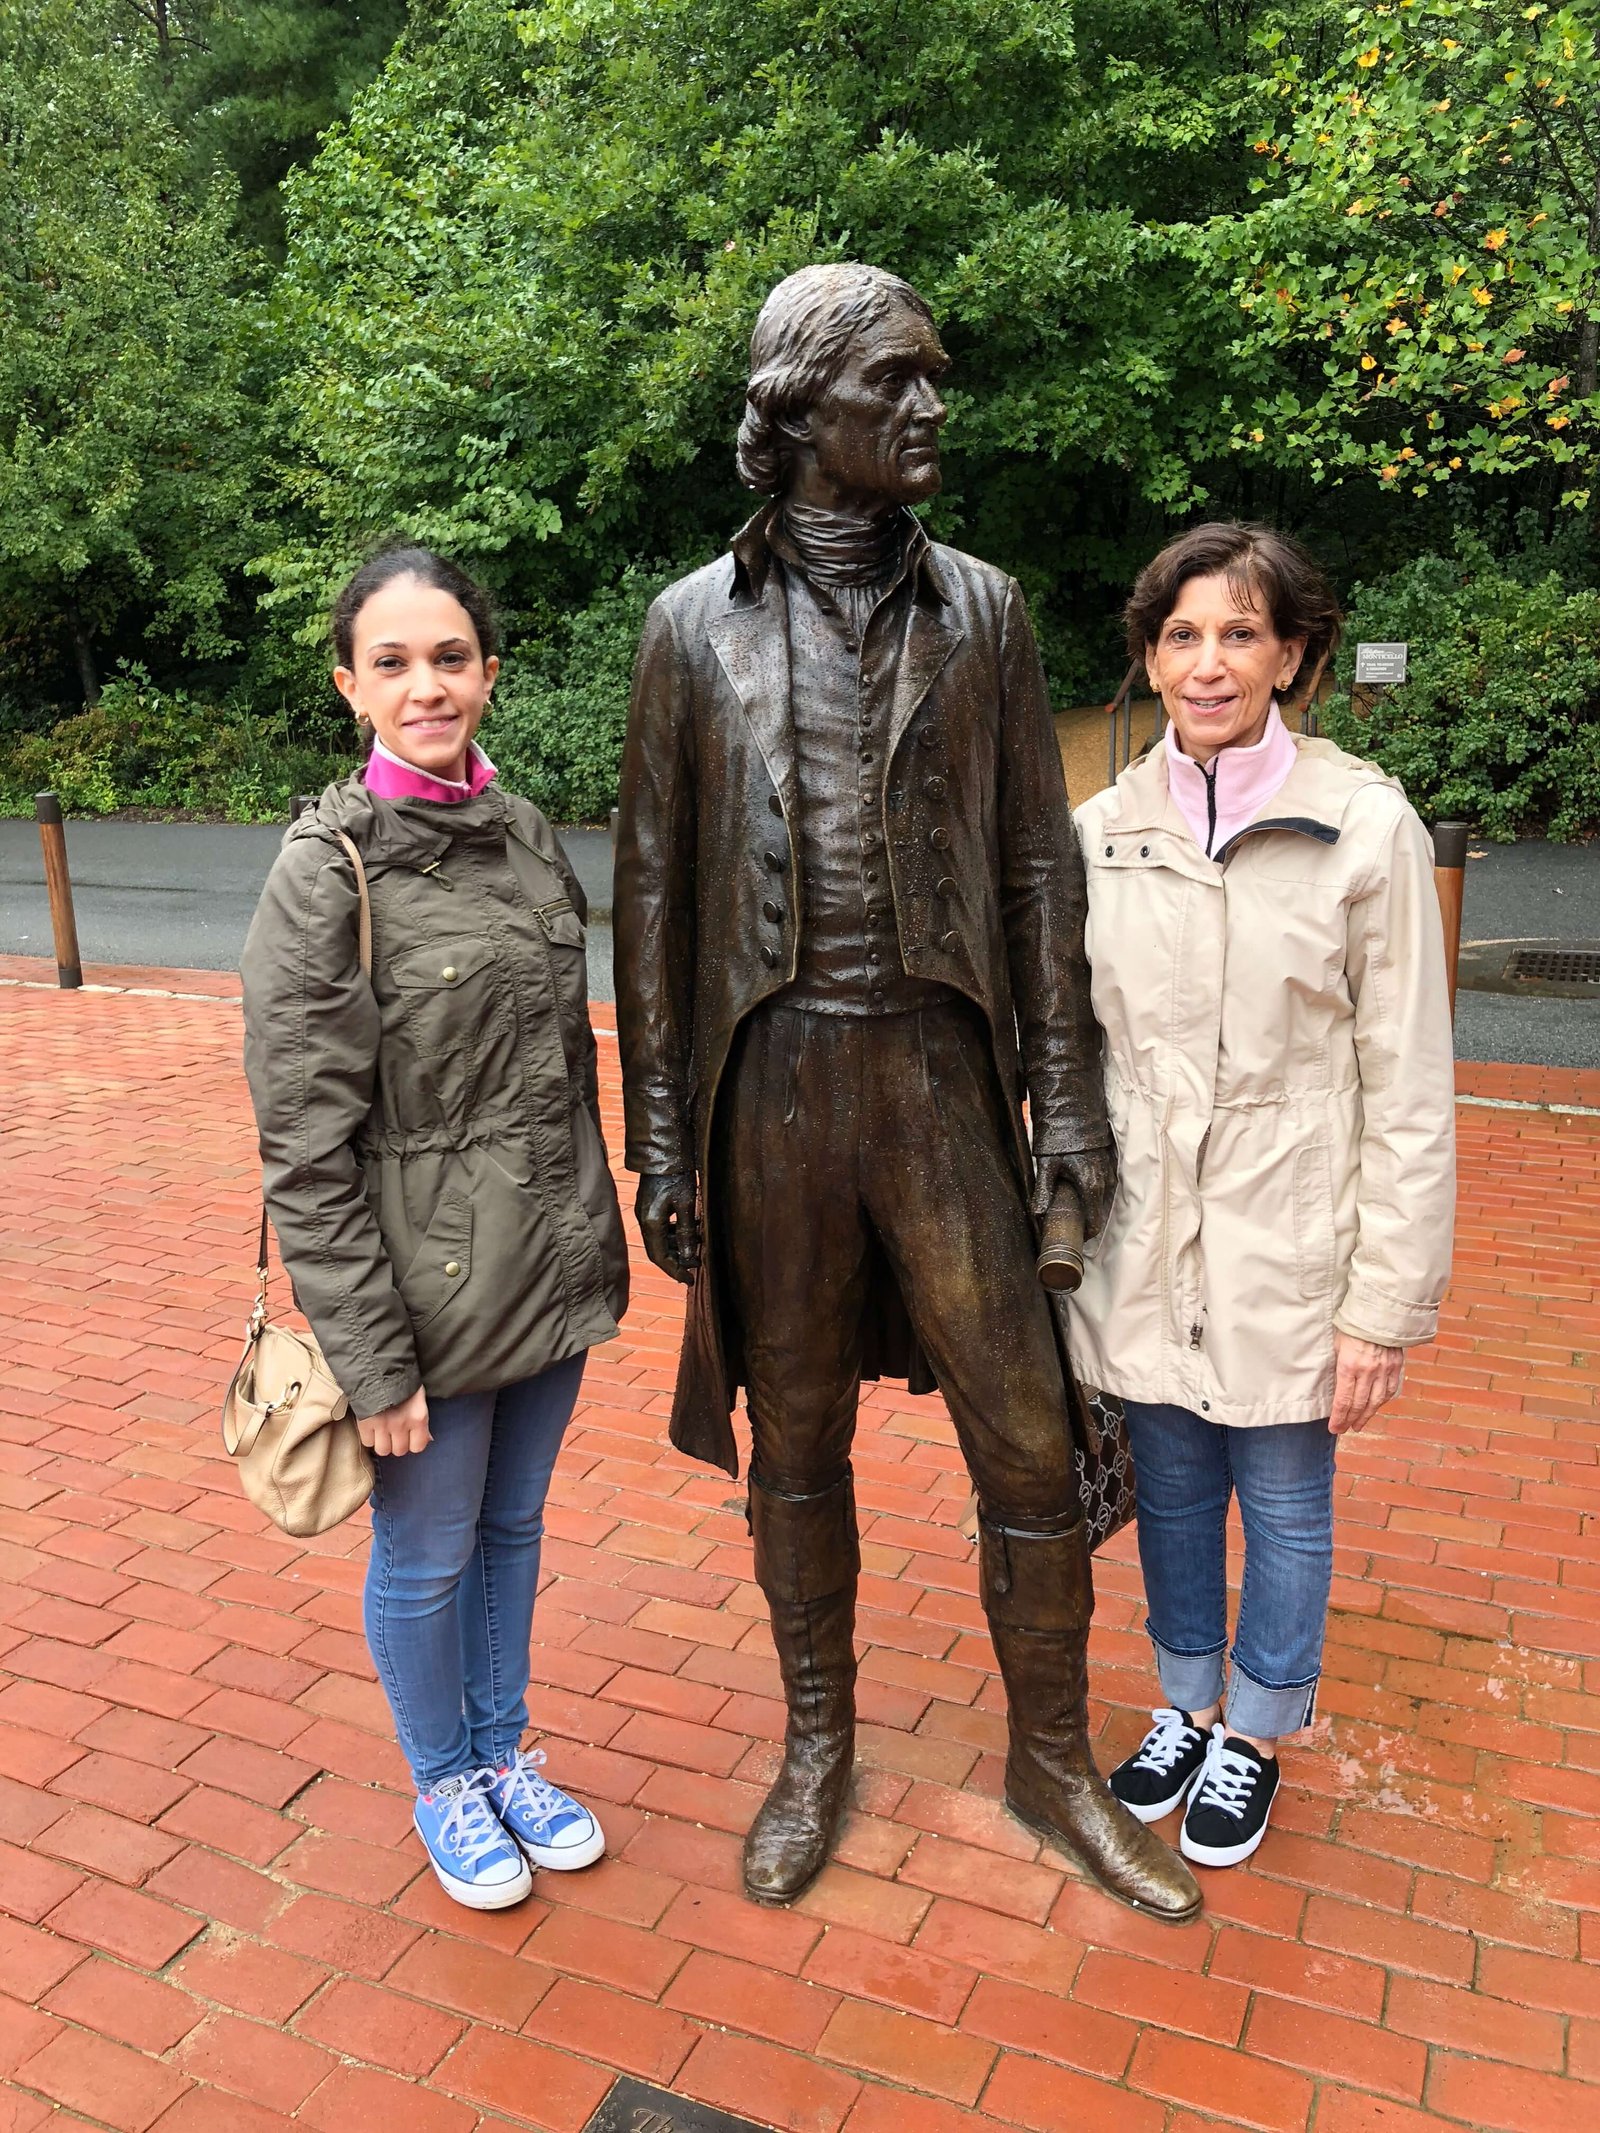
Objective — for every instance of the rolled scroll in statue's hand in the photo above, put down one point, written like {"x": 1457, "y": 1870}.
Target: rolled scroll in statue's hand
{"x": 1060, "y": 1259}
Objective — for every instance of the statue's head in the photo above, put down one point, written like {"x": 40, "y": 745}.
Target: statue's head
{"x": 843, "y": 398}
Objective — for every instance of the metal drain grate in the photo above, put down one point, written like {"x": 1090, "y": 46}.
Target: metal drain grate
{"x": 1556, "y": 966}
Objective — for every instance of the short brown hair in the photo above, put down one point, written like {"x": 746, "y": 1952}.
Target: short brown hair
{"x": 1258, "y": 562}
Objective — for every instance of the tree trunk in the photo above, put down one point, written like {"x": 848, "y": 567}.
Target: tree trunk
{"x": 83, "y": 654}
{"x": 1584, "y": 371}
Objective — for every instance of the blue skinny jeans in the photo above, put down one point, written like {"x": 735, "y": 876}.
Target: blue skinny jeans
{"x": 456, "y": 1536}
{"x": 1186, "y": 1469}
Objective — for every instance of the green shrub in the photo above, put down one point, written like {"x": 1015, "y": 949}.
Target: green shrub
{"x": 169, "y": 752}
{"x": 560, "y": 710}
{"x": 1498, "y": 721}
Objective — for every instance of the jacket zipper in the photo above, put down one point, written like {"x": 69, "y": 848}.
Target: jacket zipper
{"x": 1210, "y": 776}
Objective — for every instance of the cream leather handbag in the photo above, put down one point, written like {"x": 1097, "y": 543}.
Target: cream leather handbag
{"x": 284, "y": 1421}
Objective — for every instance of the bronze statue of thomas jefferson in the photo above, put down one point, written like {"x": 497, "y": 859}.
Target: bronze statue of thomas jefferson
{"x": 849, "y": 934}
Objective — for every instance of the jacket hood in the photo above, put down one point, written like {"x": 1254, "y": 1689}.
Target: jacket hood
{"x": 408, "y": 832}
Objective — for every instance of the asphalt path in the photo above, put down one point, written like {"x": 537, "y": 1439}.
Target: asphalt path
{"x": 181, "y": 893}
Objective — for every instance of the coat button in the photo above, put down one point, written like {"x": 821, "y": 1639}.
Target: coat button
{"x": 774, "y": 862}
{"x": 452, "y": 1267}
{"x": 935, "y": 788}
{"x": 448, "y": 973}
{"x": 939, "y": 838}
{"x": 1109, "y": 850}
{"x": 870, "y": 840}
{"x": 769, "y": 956}
{"x": 928, "y": 738}
{"x": 947, "y": 885}
{"x": 1144, "y": 851}
{"x": 1205, "y": 1407}
{"x": 772, "y": 911}
{"x": 774, "y": 803}
{"x": 873, "y": 956}
{"x": 950, "y": 942}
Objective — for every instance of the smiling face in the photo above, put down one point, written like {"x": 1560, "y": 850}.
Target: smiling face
{"x": 1217, "y": 663}
{"x": 419, "y": 675}
{"x": 872, "y": 436}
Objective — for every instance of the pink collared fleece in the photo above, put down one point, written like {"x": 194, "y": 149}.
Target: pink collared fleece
{"x": 391, "y": 777}
{"x": 1219, "y": 800}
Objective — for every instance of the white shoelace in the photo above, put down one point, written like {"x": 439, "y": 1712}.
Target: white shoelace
{"x": 526, "y": 1788}
{"x": 1167, "y": 1739}
{"x": 471, "y": 1830}
{"x": 1227, "y": 1778}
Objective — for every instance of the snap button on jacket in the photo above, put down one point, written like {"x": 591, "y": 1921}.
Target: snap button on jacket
{"x": 430, "y": 1143}
{"x": 1281, "y": 1083}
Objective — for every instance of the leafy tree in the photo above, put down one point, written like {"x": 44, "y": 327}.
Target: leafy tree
{"x": 1420, "y": 284}
{"x": 521, "y": 280}
{"x": 126, "y": 454}
{"x": 266, "y": 78}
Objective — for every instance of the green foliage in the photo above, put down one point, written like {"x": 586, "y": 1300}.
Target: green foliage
{"x": 1420, "y": 285}
{"x": 559, "y": 713}
{"x": 170, "y": 753}
{"x": 127, "y": 434}
{"x": 521, "y": 280}
{"x": 1498, "y": 722}
{"x": 259, "y": 81}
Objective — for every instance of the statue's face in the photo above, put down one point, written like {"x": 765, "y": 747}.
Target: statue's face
{"x": 874, "y": 432}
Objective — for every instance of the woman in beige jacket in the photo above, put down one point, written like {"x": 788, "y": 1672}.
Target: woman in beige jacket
{"x": 1268, "y": 969}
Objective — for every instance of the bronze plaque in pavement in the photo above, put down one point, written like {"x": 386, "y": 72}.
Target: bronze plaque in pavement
{"x": 634, "y": 2107}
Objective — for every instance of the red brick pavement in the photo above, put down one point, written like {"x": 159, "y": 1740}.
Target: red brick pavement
{"x": 213, "y": 1918}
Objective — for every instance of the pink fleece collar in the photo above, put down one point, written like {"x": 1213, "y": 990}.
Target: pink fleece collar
{"x": 1243, "y": 781}
{"x": 391, "y": 777}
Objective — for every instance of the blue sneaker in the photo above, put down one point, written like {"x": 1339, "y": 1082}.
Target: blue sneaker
{"x": 552, "y": 1828}
{"x": 475, "y": 1860}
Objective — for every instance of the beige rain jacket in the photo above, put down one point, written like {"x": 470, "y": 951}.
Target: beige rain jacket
{"x": 1280, "y": 1077}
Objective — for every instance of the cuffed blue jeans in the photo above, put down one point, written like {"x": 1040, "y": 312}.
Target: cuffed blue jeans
{"x": 456, "y": 1535}
{"x": 1186, "y": 1469}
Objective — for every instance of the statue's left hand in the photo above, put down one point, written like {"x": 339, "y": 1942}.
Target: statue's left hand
{"x": 1091, "y": 1173}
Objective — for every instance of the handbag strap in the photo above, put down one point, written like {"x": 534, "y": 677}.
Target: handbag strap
{"x": 258, "y": 1315}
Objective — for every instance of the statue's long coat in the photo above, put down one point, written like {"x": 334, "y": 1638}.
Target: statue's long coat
{"x": 985, "y": 875}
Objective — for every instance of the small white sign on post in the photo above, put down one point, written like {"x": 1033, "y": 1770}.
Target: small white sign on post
{"x": 1380, "y": 665}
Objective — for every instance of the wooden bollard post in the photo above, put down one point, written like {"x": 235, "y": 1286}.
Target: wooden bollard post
{"x": 63, "y": 923}
{"x": 1449, "y": 877}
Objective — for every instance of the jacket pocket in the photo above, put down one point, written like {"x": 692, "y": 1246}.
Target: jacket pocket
{"x": 562, "y": 926}
{"x": 443, "y": 1265}
{"x": 1313, "y": 1221}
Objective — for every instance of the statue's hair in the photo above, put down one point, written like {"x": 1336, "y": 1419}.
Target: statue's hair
{"x": 797, "y": 349}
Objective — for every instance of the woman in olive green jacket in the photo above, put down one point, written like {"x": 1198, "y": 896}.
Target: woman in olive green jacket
{"x": 437, "y": 1178}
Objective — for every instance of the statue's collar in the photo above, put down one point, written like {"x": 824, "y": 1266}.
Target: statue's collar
{"x": 753, "y": 552}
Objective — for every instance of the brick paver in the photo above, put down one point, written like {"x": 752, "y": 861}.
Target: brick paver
{"x": 212, "y": 1913}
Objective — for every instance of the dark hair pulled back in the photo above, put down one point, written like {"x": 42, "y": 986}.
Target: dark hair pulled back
{"x": 408, "y": 562}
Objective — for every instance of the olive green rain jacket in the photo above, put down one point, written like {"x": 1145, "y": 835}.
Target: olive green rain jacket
{"x": 430, "y": 1142}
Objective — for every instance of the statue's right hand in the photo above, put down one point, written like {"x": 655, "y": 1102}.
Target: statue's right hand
{"x": 669, "y": 1224}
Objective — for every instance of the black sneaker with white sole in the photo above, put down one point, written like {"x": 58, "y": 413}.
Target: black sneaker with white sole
{"x": 1232, "y": 1798}
{"x": 1155, "y": 1778}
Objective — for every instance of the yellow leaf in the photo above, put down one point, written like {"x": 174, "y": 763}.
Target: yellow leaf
{"x": 1513, "y": 355}
{"x": 1474, "y": 348}
{"x": 1495, "y": 239}
{"x": 1455, "y": 462}
{"x": 1450, "y": 44}
{"x": 1389, "y": 473}
{"x": 1557, "y": 422}
{"x": 1369, "y": 59}
{"x": 1368, "y": 363}
{"x": 1457, "y": 273}
{"x": 1258, "y": 436}
{"x": 1482, "y": 296}
{"x": 1410, "y": 452}
{"x": 1565, "y": 306}
{"x": 1557, "y": 385}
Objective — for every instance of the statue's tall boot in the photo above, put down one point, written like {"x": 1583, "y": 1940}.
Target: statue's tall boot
{"x": 1038, "y": 1592}
{"x": 808, "y": 1559}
